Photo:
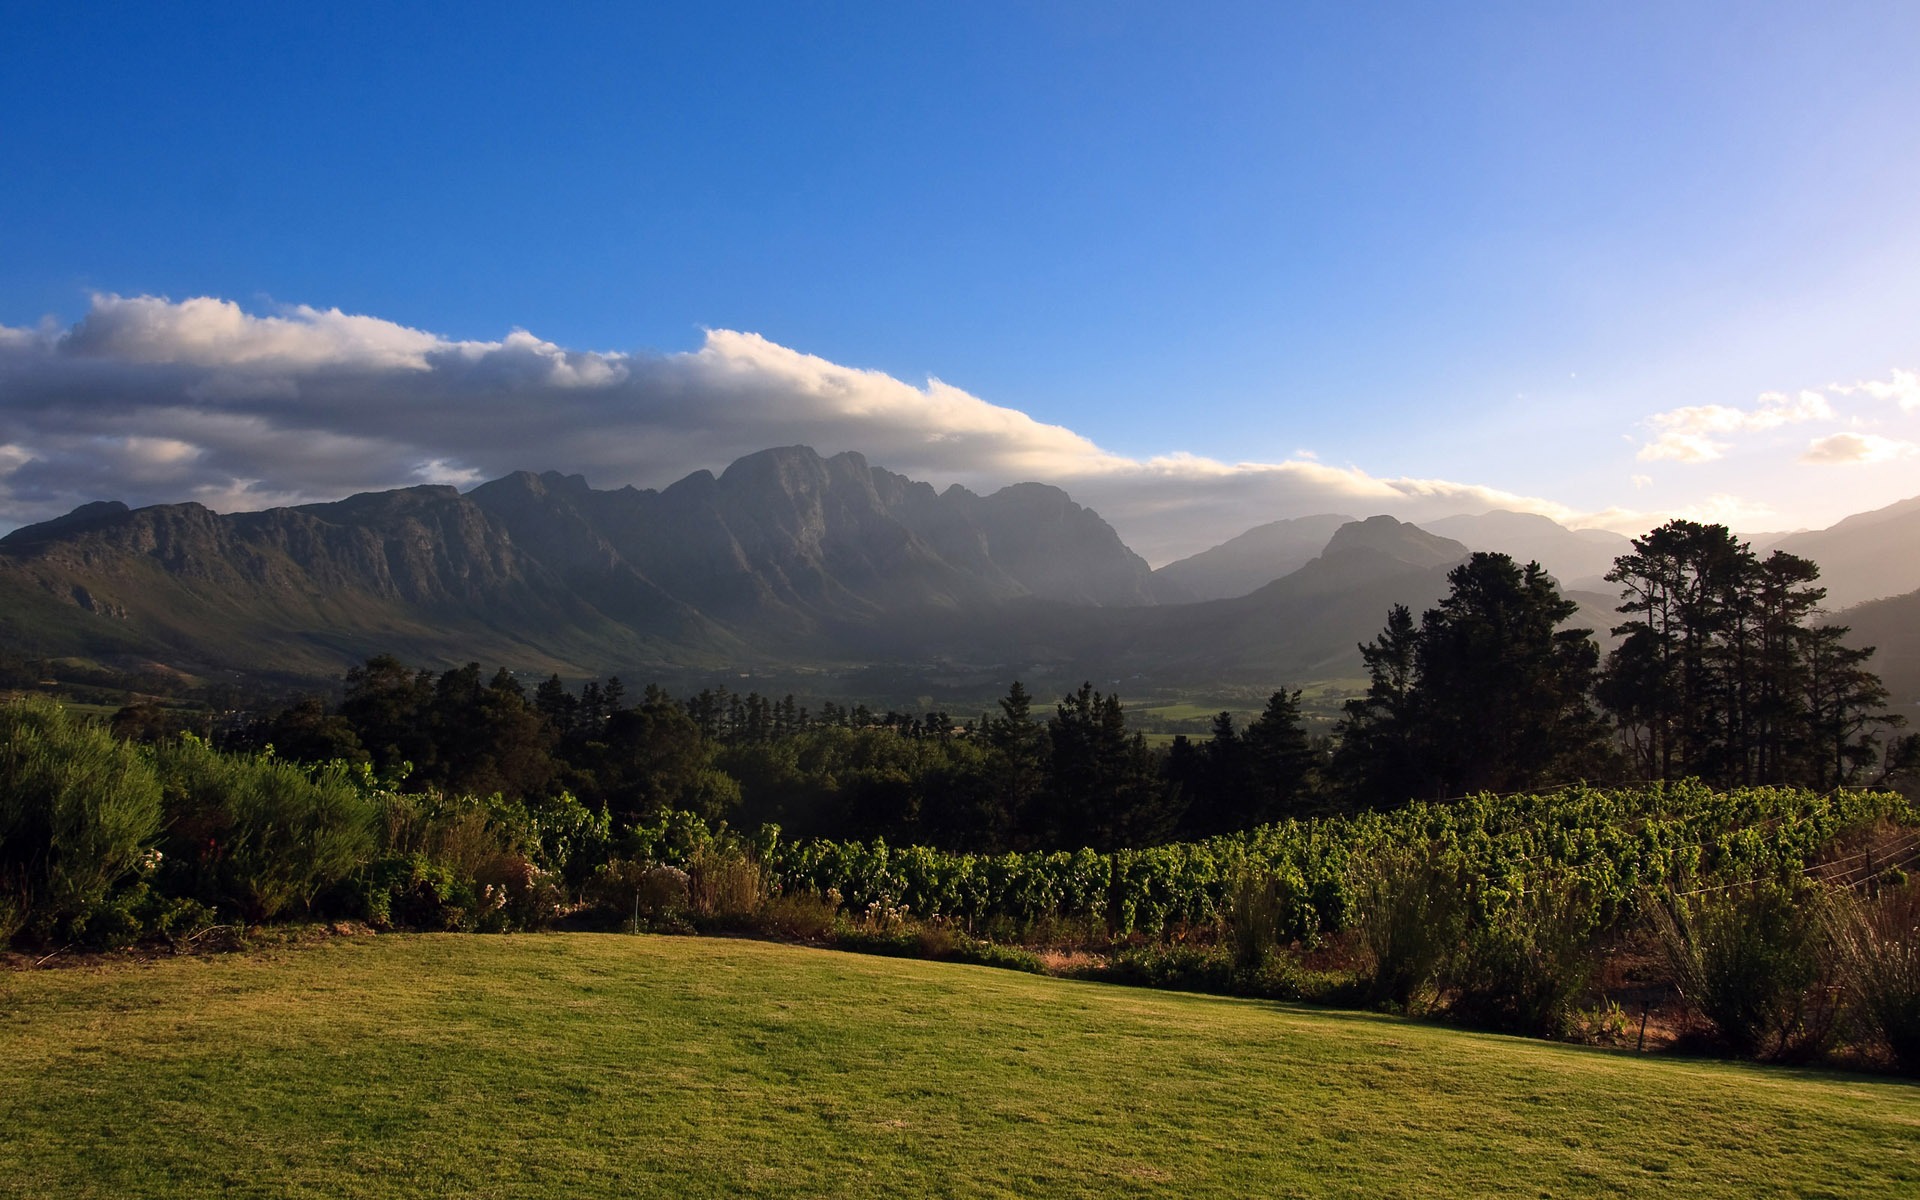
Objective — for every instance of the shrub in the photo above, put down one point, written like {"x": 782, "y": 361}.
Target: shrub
{"x": 512, "y": 893}
{"x": 992, "y": 954}
{"x": 1749, "y": 960}
{"x": 414, "y": 892}
{"x": 646, "y": 894}
{"x": 1254, "y": 914}
{"x": 1523, "y": 969}
{"x": 262, "y": 834}
{"x": 804, "y": 915}
{"x": 77, "y": 809}
{"x": 1179, "y": 966}
{"x": 1410, "y": 918}
{"x": 725, "y": 883}
{"x": 1877, "y": 947}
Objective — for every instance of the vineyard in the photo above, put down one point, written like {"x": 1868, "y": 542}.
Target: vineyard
{"x": 1608, "y": 847}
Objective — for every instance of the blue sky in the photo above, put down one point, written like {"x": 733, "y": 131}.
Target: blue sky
{"x": 1487, "y": 247}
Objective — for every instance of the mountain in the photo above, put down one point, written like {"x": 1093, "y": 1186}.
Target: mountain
{"x": 1892, "y": 627}
{"x": 1258, "y": 556}
{"x": 1865, "y": 557}
{"x": 304, "y": 589}
{"x": 784, "y": 554}
{"x": 1567, "y": 554}
{"x": 1303, "y": 626}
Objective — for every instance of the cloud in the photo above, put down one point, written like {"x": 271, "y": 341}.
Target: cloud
{"x": 1902, "y": 387}
{"x": 1843, "y": 449}
{"x": 1696, "y": 433}
{"x": 150, "y": 400}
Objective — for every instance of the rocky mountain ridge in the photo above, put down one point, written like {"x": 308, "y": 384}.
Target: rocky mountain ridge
{"x": 786, "y": 557}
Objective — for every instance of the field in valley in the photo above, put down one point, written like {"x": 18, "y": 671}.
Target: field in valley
{"x": 580, "y": 1064}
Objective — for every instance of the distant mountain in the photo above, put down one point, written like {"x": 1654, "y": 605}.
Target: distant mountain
{"x": 786, "y": 559}
{"x": 1568, "y": 554}
{"x": 784, "y": 555}
{"x": 301, "y": 590}
{"x": 1306, "y": 625}
{"x": 1865, "y": 557}
{"x": 1892, "y": 627}
{"x": 1241, "y": 564}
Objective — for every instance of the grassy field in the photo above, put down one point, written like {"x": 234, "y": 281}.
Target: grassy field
{"x": 587, "y": 1065}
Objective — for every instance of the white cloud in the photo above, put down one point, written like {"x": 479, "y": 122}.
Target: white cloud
{"x": 1731, "y": 511}
{"x": 1902, "y": 387}
{"x": 208, "y": 332}
{"x": 1842, "y": 449}
{"x": 1697, "y": 433}
{"x": 150, "y": 400}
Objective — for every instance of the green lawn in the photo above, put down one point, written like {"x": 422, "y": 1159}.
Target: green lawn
{"x": 582, "y": 1065}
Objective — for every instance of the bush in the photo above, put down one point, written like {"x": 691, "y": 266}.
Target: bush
{"x": 1749, "y": 960}
{"x": 1877, "y": 948}
{"x": 1254, "y": 914}
{"x": 78, "y": 807}
{"x": 1410, "y": 919}
{"x": 804, "y": 915}
{"x": 1179, "y": 966}
{"x": 643, "y": 893}
{"x": 259, "y": 833}
{"x": 512, "y": 893}
{"x": 725, "y": 884}
{"x": 1523, "y": 969}
{"x": 414, "y": 892}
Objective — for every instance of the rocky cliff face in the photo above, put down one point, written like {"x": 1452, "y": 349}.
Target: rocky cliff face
{"x": 784, "y": 552}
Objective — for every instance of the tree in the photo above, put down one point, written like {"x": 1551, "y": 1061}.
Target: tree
{"x": 1377, "y": 756}
{"x": 1488, "y": 693}
{"x": 1102, "y": 786}
{"x": 1721, "y": 674}
{"x": 1503, "y": 689}
{"x": 1843, "y": 703}
{"x": 1282, "y": 763}
{"x": 1019, "y": 761}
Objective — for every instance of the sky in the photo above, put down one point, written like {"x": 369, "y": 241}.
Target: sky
{"x": 1203, "y": 265}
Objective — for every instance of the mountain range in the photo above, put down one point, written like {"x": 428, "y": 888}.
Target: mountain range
{"x": 787, "y": 558}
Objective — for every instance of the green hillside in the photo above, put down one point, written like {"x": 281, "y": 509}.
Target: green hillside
{"x": 586, "y": 1065}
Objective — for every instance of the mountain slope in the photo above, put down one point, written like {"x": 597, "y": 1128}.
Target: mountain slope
{"x": 1567, "y": 554}
{"x": 1865, "y": 557}
{"x": 1258, "y": 556}
{"x": 1306, "y": 625}
{"x": 784, "y": 555}
{"x": 1892, "y": 627}
{"x": 298, "y": 589}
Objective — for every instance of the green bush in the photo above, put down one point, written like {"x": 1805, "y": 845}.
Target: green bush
{"x": 725, "y": 884}
{"x": 260, "y": 834}
{"x": 1877, "y": 944}
{"x": 1411, "y": 912}
{"x": 1750, "y": 961}
{"x": 1254, "y": 915}
{"x": 1180, "y": 966}
{"x": 1524, "y": 969}
{"x": 78, "y": 807}
{"x": 414, "y": 892}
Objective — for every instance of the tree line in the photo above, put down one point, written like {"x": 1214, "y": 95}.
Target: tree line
{"x": 1719, "y": 673}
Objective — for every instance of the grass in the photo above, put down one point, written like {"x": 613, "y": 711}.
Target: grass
{"x": 585, "y": 1065}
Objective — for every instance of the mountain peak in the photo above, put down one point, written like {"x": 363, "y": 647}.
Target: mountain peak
{"x": 1399, "y": 540}
{"x": 93, "y": 515}
{"x": 1259, "y": 556}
